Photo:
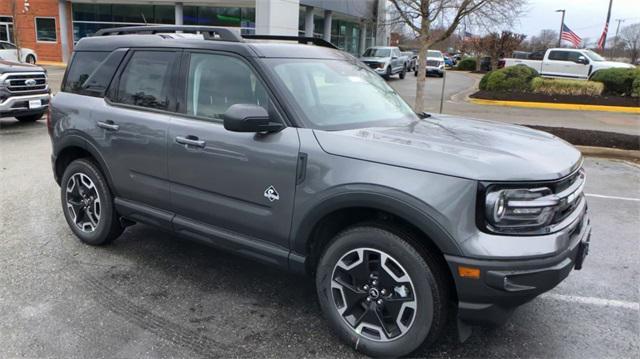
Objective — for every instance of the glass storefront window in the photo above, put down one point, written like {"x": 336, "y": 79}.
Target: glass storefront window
{"x": 212, "y": 16}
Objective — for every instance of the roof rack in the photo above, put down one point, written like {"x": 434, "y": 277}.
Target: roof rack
{"x": 208, "y": 32}
{"x": 300, "y": 39}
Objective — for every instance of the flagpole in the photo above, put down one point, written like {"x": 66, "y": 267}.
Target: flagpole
{"x": 604, "y": 40}
{"x": 561, "y": 26}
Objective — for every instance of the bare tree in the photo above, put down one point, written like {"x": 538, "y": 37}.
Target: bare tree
{"x": 630, "y": 34}
{"x": 421, "y": 15}
{"x": 501, "y": 44}
{"x": 547, "y": 38}
{"x": 16, "y": 36}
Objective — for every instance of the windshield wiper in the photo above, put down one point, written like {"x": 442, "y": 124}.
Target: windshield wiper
{"x": 423, "y": 115}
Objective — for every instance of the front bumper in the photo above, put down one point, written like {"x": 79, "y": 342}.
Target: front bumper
{"x": 17, "y": 105}
{"x": 435, "y": 70}
{"x": 504, "y": 285}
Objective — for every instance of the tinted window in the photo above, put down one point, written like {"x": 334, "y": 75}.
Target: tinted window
{"x": 377, "y": 53}
{"x": 81, "y": 67}
{"x": 46, "y": 29}
{"x": 146, "y": 81}
{"x": 573, "y": 56}
{"x": 559, "y": 55}
{"x": 216, "y": 82}
{"x": 97, "y": 82}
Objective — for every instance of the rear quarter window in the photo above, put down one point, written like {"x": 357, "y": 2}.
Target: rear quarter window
{"x": 91, "y": 72}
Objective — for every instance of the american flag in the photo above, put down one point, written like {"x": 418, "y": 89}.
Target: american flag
{"x": 603, "y": 36}
{"x": 570, "y": 36}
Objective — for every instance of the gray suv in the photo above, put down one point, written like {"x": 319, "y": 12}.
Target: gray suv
{"x": 299, "y": 156}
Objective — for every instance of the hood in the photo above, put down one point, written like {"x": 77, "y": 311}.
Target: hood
{"x": 374, "y": 59}
{"x": 474, "y": 149}
{"x": 10, "y": 66}
{"x": 607, "y": 64}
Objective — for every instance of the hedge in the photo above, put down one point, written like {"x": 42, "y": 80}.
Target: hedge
{"x": 635, "y": 88}
{"x": 509, "y": 79}
{"x": 566, "y": 87}
{"x": 467, "y": 64}
{"x": 618, "y": 81}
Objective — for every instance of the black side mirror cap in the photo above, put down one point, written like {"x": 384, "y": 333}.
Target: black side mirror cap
{"x": 249, "y": 118}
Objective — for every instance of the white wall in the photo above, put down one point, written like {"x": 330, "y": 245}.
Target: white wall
{"x": 277, "y": 17}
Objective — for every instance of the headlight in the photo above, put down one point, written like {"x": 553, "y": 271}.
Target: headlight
{"x": 507, "y": 209}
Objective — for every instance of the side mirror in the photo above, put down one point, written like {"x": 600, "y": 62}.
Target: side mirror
{"x": 582, "y": 60}
{"x": 394, "y": 57}
{"x": 249, "y": 118}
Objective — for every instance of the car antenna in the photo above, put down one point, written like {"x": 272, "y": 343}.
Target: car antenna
{"x": 144, "y": 19}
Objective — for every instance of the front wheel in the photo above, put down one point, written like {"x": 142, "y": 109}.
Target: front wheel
{"x": 403, "y": 73}
{"x": 379, "y": 294}
{"x": 87, "y": 203}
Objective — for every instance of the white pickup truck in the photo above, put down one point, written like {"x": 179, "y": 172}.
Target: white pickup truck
{"x": 568, "y": 63}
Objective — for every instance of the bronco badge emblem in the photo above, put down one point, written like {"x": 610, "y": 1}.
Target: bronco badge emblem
{"x": 271, "y": 194}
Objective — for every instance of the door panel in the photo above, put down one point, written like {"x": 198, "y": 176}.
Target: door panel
{"x": 132, "y": 126}
{"x": 219, "y": 178}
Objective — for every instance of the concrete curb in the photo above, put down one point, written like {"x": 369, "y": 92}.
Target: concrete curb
{"x": 51, "y": 63}
{"x": 629, "y": 155}
{"x": 556, "y": 106}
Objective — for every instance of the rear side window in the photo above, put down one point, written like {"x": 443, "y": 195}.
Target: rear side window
{"x": 146, "y": 80}
{"x": 93, "y": 81}
{"x": 82, "y": 66}
{"x": 559, "y": 55}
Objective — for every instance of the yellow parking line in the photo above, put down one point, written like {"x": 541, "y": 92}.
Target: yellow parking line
{"x": 51, "y": 63}
{"x": 556, "y": 106}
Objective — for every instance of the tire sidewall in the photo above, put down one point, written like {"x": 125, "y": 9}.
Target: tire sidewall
{"x": 100, "y": 234}
{"x": 423, "y": 281}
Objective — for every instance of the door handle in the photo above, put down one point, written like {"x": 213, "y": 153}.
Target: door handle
{"x": 190, "y": 141}
{"x": 108, "y": 125}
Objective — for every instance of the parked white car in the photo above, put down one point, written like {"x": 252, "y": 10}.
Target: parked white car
{"x": 9, "y": 52}
{"x": 568, "y": 63}
{"x": 435, "y": 63}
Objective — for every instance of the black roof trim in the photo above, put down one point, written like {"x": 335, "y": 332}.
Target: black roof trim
{"x": 209, "y": 32}
{"x": 300, "y": 39}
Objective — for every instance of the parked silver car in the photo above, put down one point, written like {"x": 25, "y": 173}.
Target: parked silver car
{"x": 386, "y": 61}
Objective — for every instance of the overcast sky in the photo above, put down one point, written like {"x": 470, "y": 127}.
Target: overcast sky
{"x": 585, "y": 17}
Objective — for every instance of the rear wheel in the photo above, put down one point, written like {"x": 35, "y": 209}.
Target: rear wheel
{"x": 31, "y": 59}
{"x": 87, "y": 203}
{"x": 30, "y": 118}
{"x": 379, "y": 294}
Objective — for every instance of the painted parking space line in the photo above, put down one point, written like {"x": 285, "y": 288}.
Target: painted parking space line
{"x": 613, "y": 197}
{"x": 601, "y": 302}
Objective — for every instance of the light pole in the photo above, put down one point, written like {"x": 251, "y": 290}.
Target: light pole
{"x": 561, "y": 25}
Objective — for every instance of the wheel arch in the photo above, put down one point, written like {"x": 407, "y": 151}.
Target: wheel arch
{"x": 74, "y": 147}
{"x": 382, "y": 206}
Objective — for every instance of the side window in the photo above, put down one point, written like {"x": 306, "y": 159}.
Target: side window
{"x": 81, "y": 67}
{"x": 573, "y": 56}
{"x": 216, "y": 82}
{"x": 147, "y": 80}
{"x": 46, "y": 29}
{"x": 558, "y": 55}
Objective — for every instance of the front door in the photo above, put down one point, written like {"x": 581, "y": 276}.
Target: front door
{"x": 236, "y": 184}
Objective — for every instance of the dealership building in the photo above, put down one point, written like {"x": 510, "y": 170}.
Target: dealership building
{"x": 51, "y": 27}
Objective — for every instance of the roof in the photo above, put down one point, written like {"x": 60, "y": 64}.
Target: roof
{"x": 247, "y": 47}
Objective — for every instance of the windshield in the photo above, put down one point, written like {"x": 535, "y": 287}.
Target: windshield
{"x": 432, "y": 53}
{"x": 338, "y": 94}
{"x": 594, "y": 56}
{"x": 377, "y": 53}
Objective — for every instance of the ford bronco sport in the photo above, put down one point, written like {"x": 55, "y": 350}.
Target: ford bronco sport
{"x": 298, "y": 155}
{"x": 24, "y": 93}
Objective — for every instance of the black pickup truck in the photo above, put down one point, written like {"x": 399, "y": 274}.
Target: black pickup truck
{"x": 24, "y": 92}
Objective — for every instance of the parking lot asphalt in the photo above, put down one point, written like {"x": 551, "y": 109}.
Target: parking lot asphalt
{"x": 151, "y": 294}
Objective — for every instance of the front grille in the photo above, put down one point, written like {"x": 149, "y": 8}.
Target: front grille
{"x": 26, "y": 82}
{"x": 434, "y": 63}
{"x": 570, "y": 191}
{"x": 373, "y": 65}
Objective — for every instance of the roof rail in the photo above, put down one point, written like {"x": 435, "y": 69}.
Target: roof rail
{"x": 208, "y": 32}
{"x": 300, "y": 39}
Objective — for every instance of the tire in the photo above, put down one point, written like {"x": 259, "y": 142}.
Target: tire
{"x": 403, "y": 73}
{"x": 83, "y": 176}
{"x": 441, "y": 74}
{"x": 426, "y": 291}
{"x": 31, "y": 59}
{"x": 30, "y": 118}
{"x": 388, "y": 73}
{"x": 415, "y": 73}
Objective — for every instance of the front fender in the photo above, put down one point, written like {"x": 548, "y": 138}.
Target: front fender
{"x": 390, "y": 200}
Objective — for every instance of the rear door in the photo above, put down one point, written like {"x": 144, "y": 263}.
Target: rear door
{"x": 224, "y": 184}
{"x": 132, "y": 126}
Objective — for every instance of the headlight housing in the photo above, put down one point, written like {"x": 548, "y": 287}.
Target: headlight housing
{"x": 528, "y": 209}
